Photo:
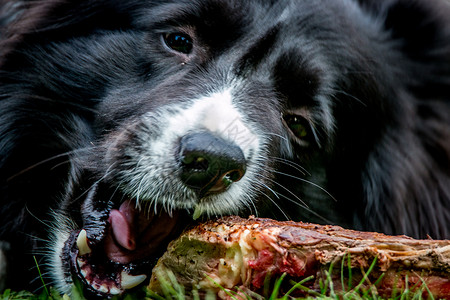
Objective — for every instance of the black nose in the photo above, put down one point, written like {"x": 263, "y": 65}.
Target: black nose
{"x": 210, "y": 164}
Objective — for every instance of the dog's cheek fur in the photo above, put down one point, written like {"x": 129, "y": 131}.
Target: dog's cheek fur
{"x": 45, "y": 116}
{"x": 405, "y": 172}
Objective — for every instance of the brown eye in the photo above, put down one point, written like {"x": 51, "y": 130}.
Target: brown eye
{"x": 298, "y": 125}
{"x": 179, "y": 42}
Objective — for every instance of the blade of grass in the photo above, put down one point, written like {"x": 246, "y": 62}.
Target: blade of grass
{"x": 416, "y": 288}
{"x": 170, "y": 286}
{"x": 6, "y": 294}
{"x": 406, "y": 290}
{"x": 40, "y": 276}
{"x": 395, "y": 290}
{"x": 226, "y": 291}
{"x": 377, "y": 282}
{"x": 366, "y": 274}
{"x": 349, "y": 266}
{"x": 195, "y": 294}
{"x": 424, "y": 284}
{"x": 342, "y": 272}
{"x": 331, "y": 285}
{"x": 277, "y": 286}
{"x": 324, "y": 286}
{"x": 266, "y": 286}
{"x": 250, "y": 295}
{"x": 154, "y": 295}
{"x": 180, "y": 292}
{"x": 77, "y": 291}
{"x": 298, "y": 285}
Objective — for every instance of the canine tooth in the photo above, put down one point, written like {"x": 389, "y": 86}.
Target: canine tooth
{"x": 114, "y": 291}
{"x": 130, "y": 281}
{"x": 82, "y": 243}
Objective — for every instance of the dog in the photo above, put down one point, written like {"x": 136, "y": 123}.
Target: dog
{"x": 122, "y": 122}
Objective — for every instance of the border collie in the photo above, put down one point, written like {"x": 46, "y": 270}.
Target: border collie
{"x": 121, "y": 121}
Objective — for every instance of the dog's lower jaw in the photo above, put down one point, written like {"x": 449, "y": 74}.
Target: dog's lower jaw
{"x": 60, "y": 268}
{"x": 118, "y": 260}
{"x": 69, "y": 262}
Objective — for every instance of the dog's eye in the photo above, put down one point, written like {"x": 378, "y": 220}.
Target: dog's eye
{"x": 179, "y": 42}
{"x": 298, "y": 125}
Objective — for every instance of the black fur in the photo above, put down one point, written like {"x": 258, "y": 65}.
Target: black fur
{"x": 371, "y": 78}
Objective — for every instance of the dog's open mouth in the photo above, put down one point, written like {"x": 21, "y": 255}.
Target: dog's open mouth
{"x": 123, "y": 258}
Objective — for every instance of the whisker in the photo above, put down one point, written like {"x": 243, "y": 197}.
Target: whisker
{"x": 39, "y": 277}
{"x": 289, "y": 191}
{"x": 307, "y": 209}
{"x": 48, "y": 160}
{"x": 292, "y": 164}
{"x": 60, "y": 164}
{"x": 71, "y": 104}
{"x": 300, "y": 203}
{"x": 139, "y": 189}
{"x": 270, "y": 198}
{"x": 94, "y": 185}
{"x": 114, "y": 193}
{"x": 266, "y": 186}
{"x": 348, "y": 95}
{"x": 278, "y": 135}
{"x": 307, "y": 181}
{"x": 45, "y": 223}
{"x": 255, "y": 210}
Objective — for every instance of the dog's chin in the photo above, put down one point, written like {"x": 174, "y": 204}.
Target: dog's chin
{"x": 122, "y": 256}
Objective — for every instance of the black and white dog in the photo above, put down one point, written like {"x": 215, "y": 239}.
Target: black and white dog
{"x": 123, "y": 120}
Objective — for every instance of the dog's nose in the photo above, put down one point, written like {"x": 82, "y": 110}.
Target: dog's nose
{"x": 210, "y": 164}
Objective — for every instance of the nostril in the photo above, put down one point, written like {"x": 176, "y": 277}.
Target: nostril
{"x": 209, "y": 164}
{"x": 195, "y": 162}
{"x": 234, "y": 175}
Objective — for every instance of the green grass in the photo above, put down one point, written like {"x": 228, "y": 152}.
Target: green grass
{"x": 177, "y": 293}
{"x": 350, "y": 288}
{"x": 47, "y": 293}
{"x": 274, "y": 289}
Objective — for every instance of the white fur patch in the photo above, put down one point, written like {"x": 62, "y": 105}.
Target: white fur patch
{"x": 216, "y": 113}
{"x": 60, "y": 233}
{"x": 153, "y": 176}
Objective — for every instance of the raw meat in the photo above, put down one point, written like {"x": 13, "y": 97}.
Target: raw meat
{"x": 241, "y": 254}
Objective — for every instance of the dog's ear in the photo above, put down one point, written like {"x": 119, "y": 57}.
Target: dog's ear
{"x": 420, "y": 31}
{"x": 406, "y": 172}
{"x": 420, "y": 26}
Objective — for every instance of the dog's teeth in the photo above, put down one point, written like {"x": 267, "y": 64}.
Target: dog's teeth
{"x": 114, "y": 291}
{"x": 197, "y": 212}
{"x": 83, "y": 273}
{"x": 82, "y": 243}
{"x": 103, "y": 288}
{"x": 130, "y": 281}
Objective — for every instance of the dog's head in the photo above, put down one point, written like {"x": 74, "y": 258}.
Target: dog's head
{"x": 177, "y": 110}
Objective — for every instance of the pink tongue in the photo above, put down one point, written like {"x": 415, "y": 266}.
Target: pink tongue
{"x": 134, "y": 235}
{"x": 122, "y": 224}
